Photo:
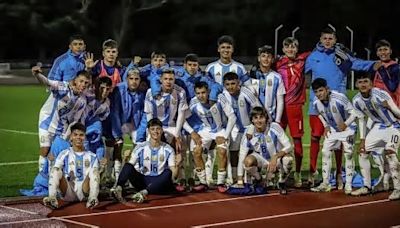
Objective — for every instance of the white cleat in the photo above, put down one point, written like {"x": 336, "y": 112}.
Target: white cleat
{"x": 322, "y": 188}
{"x": 361, "y": 191}
{"x": 51, "y": 202}
{"x": 348, "y": 189}
{"x": 138, "y": 197}
{"x": 395, "y": 195}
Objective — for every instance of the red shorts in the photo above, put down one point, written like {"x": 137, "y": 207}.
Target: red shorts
{"x": 317, "y": 128}
{"x": 293, "y": 116}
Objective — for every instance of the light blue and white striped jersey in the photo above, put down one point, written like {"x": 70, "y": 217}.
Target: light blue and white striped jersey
{"x": 95, "y": 109}
{"x": 374, "y": 108}
{"x": 267, "y": 87}
{"x": 152, "y": 161}
{"x": 268, "y": 143}
{"x": 241, "y": 105}
{"x": 61, "y": 108}
{"x": 336, "y": 111}
{"x": 216, "y": 70}
{"x": 212, "y": 117}
{"x": 76, "y": 165}
{"x": 167, "y": 107}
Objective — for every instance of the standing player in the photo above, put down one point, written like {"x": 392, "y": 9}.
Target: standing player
{"x": 75, "y": 173}
{"x": 208, "y": 121}
{"x": 216, "y": 70}
{"x": 332, "y": 62}
{"x": 151, "y": 167}
{"x": 271, "y": 150}
{"x": 267, "y": 84}
{"x": 377, "y": 105}
{"x": 291, "y": 67}
{"x": 242, "y": 100}
{"x": 337, "y": 115}
{"x": 387, "y": 76}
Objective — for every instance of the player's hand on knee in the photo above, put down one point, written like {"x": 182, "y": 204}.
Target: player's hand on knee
{"x": 327, "y": 131}
{"x": 272, "y": 165}
{"x": 362, "y": 146}
{"x": 342, "y": 126}
{"x": 220, "y": 140}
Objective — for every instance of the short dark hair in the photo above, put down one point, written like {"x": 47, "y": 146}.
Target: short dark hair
{"x": 78, "y": 126}
{"x": 154, "y": 122}
{"x": 84, "y": 73}
{"x": 289, "y": 41}
{"x": 226, "y": 39}
{"x": 191, "y": 57}
{"x": 75, "y": 37}
{"x": 110, "y": 43}
{"x": 167, "y": 70}
{"x": 155, "y": 54}
{"x": 363, "y": 75}
{"x": 258, "y": 111}
{"x": 103, "y": 80}
{"x": 200, "y": 84}
{"x": 265, "y": 49}
{"x": 318, "y": 83}
{"x": 230, "y": 76}
{"x": 382, "y": 43}
{"x": 328, "y": 30}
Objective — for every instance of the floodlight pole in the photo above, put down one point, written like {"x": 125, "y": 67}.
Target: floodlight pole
{"x": 276, "y": 38}
{"x": 351, "y": 49}
{"x": 332, "y": 27}
{"x": 294, "y": 31}
{"x": 368, "y": 53}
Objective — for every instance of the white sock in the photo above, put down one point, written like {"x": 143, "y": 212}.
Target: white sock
{"x": 117, "y": 169}
{"x": 326, "y": 165}
{"x": 394, "y": 170}
{"x": 378, "y": 159}
{"x": 201, "y": 174}
{"x": 221, "y": 175}
{"x": 365, "y": 167}
{"x": 349, "y": 167}
{"x": 209, "y": 166}
{"x": 41, "y": 162}
{"x": 54, "y": 181}
{"x": 284, "y": 168}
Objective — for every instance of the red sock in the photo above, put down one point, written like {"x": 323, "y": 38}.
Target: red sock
{"x": 298, "y": 153}
{"x": 314, "y": 150}
{"x": 338, "y": 158}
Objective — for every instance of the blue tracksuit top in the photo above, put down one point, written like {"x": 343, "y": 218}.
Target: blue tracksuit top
{"x": 66, "y": 66}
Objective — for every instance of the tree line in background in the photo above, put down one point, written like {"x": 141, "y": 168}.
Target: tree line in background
{"x": 39, "y": 29}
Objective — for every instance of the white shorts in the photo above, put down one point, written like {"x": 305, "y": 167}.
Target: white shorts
{"x": 379, "y": 137}
{"x": 45, "y": 138}
{"x": 263, "y": 163}
{"x": 235, "y": 139}
{"x": 207, "y": 137}
{"x": 74, "y": 194}
{"x": 335, "y": 139}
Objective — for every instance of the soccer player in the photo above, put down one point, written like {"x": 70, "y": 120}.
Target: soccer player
{"x": 65, "y": 105}
{"x": 242, "y": 100}
{"x": 377, "y": 105}
{"x": 270, "y": 150}
{"x": 208, "y": 121}
{"x": 151, "y": 167}
{"x": 291, "y": 67}
{"x": 75, "y": 173}
{"x": 170, "y": 107}
{"x": 66, "y": 66}
{"x": 267, "y": 84}
{"x": 108, "y": 66}
{"x": 387, "y": 76}
{"x": 332, "y": 62}
{"x": 337, "y": 116}
{"x": 216, "y": 70}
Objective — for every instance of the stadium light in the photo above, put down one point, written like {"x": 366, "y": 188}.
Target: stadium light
{"x": 276, "y": 37}
{"x": 368, "y": 53}
{"x": 294, "y": 31}
{"x": 332, "y": 27}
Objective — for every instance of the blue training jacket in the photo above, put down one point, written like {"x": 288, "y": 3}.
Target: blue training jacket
{"x": 66, "y": 66}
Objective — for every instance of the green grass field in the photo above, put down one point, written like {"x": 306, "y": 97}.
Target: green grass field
{"x": 19, "y": 113}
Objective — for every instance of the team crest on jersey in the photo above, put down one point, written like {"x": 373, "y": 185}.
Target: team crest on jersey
{"x": 162, "y": 158}
{"x": 334, "y": 110}
{"x": 173, "y": 101}
{"x": 71, "y": 163}
{"x": 146, "y": 158}
{"x": 79, "y": 163}
{"x": 268, "y": 139}
{"x": 262, "y": 83}
{"x": 154, "y": 157}
{"x": 269, "y": 82}
{"x": 87, "y": 163}
{"x": 241, "y": 103}
{"x": 214, "y": 110}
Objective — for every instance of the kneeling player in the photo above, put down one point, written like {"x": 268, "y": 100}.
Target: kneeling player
{"x": 337, "y": 115}
{"x": 271, "y": 148}
{"x": 377, "y": 105}
{"x": 75, "y": 173}
{"x": 207, "y": 119}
